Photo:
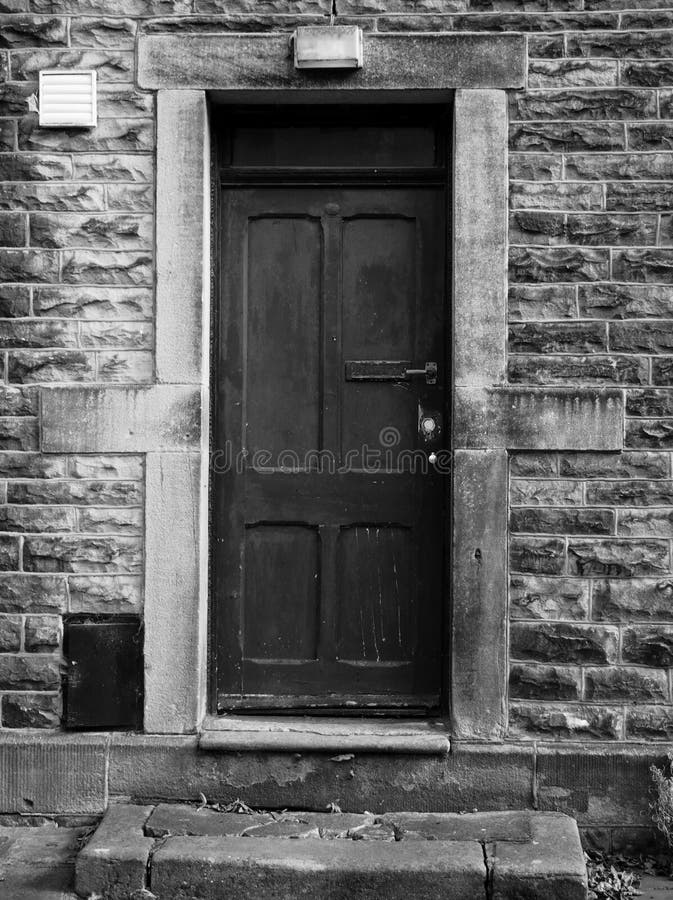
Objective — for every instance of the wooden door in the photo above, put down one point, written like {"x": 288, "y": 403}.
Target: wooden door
{"x": 328, "y": 538}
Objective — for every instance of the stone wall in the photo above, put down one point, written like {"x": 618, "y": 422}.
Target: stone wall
{"x": 591, "y": 304}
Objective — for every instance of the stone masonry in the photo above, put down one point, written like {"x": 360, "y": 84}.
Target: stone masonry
{"x": 591, "y": 305}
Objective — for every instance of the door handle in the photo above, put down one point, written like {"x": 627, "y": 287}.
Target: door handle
{"x": 429, "y": 372}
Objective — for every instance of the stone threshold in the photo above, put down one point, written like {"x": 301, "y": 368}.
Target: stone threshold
{"x": 181, "y": 851}
{"x": 316, "y": 734}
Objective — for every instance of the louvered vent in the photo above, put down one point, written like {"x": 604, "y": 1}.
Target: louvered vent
{"x": 67, "y": 99}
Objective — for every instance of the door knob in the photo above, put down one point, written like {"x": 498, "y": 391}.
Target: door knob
{"x": 429, "y": 372}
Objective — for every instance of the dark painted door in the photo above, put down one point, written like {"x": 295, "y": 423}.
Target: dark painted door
{"x": 328, "y": 550}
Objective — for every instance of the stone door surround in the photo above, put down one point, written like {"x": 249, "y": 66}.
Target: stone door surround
{"x": 168, "y": 420}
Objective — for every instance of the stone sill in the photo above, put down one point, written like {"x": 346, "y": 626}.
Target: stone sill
{"x": 323, "y": 735}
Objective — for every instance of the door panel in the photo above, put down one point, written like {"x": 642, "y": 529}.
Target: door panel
{"x": 328, "y": 548}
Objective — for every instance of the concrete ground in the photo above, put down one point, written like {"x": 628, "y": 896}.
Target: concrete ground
{"x": 656, "y": 887}
{"x": 38, "y": 863}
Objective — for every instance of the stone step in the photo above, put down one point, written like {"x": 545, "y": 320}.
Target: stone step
{"x": 181, "y": 852}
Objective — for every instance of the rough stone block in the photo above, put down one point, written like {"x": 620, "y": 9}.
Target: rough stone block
{"x": 32, "y": 593}
{"x": 29, "y": 673}
{"x": 79, "y": 492}
{"x": 113, "y": 167}
{"x": 653, "y": 135}
{"x": 23, "y": 519}
{"x": 630, "y": 493}
{"x": 104, "y": 267}
{"x": 23, "y": 334}
{"x": 532, "y": 465}
{"x": 567, "y": 137}
{"x": 9, "y": 553}
{"x": 528, "y": 264}
{"x": 636, "y": 600}
{"x": 541, "y": 302}
{"x": 578, "y": 196}
{"x": 548, "y": 598}
{"x": 71, "y": 553}
{"x": 35, "y": 367}
{"x": 127, "y": 467}
{"x": 111, "y": 521}
{"x": 565, "y": 721}
{"x": 87, "y": 31}
{"x": 563, "y": 642}
{"x": 544, "y": 682}
{"x": 562, "y": 521}
{"x": 565, "y": 337}
{"x": 625, "y": 301}
{"x": 31, "y": 710}
{"x": 629, "y": 464}
{"x": 125, "y": 367}
{"x": 29, "y": 265}
{"x": 114, "y": 862}
{"x": 535, "y": 166}
{"x": 545, "y": 492}
{"x": 42, "y": 634}
{"x": 126, "y": 303}
{"x": 632, "y": 196}
{"x": 537, "y": 556}
{"x": 609, "y": 104}
{"x": 10, "y": 634}
{"x": 618, "y": 558}
{"x": 643, "y": 265}
{"x": 117, "y": 232}
{"x": 628, "y": 44}
{"x": 57, "y": 197}
{"x": 12, "y": 230}
{"x": 131, "y": 335}
{"x": 607, "y": 370}
{"x": 110, "y": 134}
{"x": 131, "y": 197}
{"x": 649, "y": 724}
{"x": 645, "y": 523}
{"x": 14, "y": 301}
{"x": 18, "y": 434}
{"x": 564, "y": 73}
{"x": 104, "y": 593}
{"x": 648, "y": 645}
{"x": 629, "y": 685}
{"x": 33, "y": 167}
{"x": 32, "y": 31}
{"x": 650, "y": 433}
{"x": 641, "y": 337}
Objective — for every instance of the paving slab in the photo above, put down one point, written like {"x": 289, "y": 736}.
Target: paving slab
{"x": 496, "y": 826}
{"x": 38, "y": 862}
{"x": 656, "y": 887}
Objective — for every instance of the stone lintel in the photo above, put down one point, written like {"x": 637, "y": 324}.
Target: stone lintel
{"x": 517, "y": 418}
{"x": 392, "y": 62}
{"x": 479, "y": 573}
{"x": 126, "y": 419}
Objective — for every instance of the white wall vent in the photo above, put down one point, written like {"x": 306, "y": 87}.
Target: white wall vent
{"x": 67, "y": 98}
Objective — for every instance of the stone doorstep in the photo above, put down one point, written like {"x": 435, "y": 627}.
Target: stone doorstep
{"x": 181, "y": 852}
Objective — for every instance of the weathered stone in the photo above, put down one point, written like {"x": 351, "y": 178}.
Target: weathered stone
{"x": 549, "y": 229}
{"x": 548, "y": 598}
{"x": 636, "y": 600}
{"x": 18, "y": 401}
{"x": 117, "y": 167}
{"x": 8, "y": 132}
{"x": 571, "y": 73}
{"x": 50, "y": 365}
{"x": 651, "y": 135}
{"x": 109, "y": 65}
{"x": 627, "y": 684}
{"x": 118, "y": 232}
{"x": 541, "y": 302}
{"x": 563, "y": 264}
{"x": 109, "y": 134}
{"x": 29, "y": 265}
{"x": 545, "y": 492}
{"x": 629, "y": 464}
{"x": 648, "y": 645}
{"x": 630, "y": 493}
{"x": 104, "y": 593}
{"x": 625, "y": 301}
{"x": 104, "y": 554}
{"x": 252, "y": 22}
{"x": 15, "y": 101}
{"x": 111, "y": 521}
{"x": 32, "y": 31}
{"x": 43, "y": 633}
{"x": 580, "y": 196}
{"x": 537, "y": 556}
{"x": 577, "y": 104}
{"x": 647, "y": 74}
{"x": 32, "y": 593}
{"x": 57, "y": 197}
{"x": 565, "y": 337}
{"x": 639, "y": 197}
{"x": 535, "y": 166}
{"x": 563, "y": 642}
{"x": 618, "y": 558}
{"x": 656, "y": 434}
{"x": 92, "y": 302}
{"x": 126, "y": 467}
{"x": 180, "y": 818}
{"x": 80, "y": 493}
{"x": 662, "y": 371}
{"x": 107, "y": 32}
{"x": 126, "y": 367}
{"x": 241, "y": 62}
{"x": 32, "y": 673}
{"x": 303, "y": 7}
{"x": 12, "y": 230}
{"x": 533, "y": 465}
{"x": 626, "y": 44}
{"x": 131, "y": 197}
{"x": 621, "y": 166}
{"x": 119, "y": 101}
{"x": 114, "y": 862}
{"x": 132, "y": 335}
{"x": 19, "y": 434}
{"x": 14, "y": 301}
{"x": 31, "y": 710}
{"x": 643, "y": 265}
{"x": 543, "y": 46}
{"x": 31, "y": 465}
{"x": 568, "y": 721}
{"x": 532, "y": 22}
{"x": 22, "y": 334}
{"x": 122, "y": 7}
{"x": 562, "y": 521}
{"x": 649, "y": 403}
{"x": 105, "y": 267}
{"x": 567, "y": 137}
{"x": 577, "y": 370}
{"x": 10, "y": 634}
{"x": 647, "y": 18}
{"x": 544, "y": 682}
{"x": 647, "y": 724}
{"x": 40, "y": 519}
